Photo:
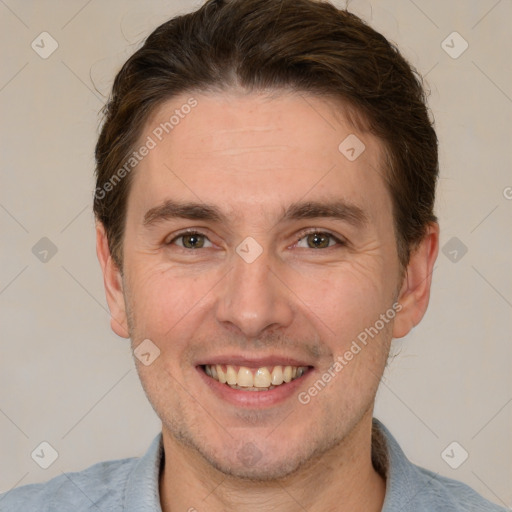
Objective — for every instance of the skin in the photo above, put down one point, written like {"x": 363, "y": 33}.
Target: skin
{"x": 252, "y": 156}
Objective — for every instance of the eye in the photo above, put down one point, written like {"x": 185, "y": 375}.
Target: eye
{"x": 191, "y": 240}
{"x": 318, "y": 240}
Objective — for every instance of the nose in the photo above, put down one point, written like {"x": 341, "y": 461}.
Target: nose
{"x": 254, "y": 297}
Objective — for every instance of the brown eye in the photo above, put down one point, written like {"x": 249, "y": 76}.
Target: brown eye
{"x": 318, "y": 240}
{"x": 191, "y": 241}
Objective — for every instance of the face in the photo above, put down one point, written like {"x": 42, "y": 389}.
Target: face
{"x": 256, "y": 251}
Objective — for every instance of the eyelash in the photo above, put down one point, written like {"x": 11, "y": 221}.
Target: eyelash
{"x": 303, "y": 234}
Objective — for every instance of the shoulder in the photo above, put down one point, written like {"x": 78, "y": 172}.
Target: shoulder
{"x": 100, "y": 486}
{"x": 412, "y": 488}
{"x": 452, "y": 495}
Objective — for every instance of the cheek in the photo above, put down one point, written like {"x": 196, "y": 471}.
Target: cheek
{"x": 166, "y": 302}
{"x": 344, "y": 300}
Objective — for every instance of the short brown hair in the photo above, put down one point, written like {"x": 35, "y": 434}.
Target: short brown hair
{"x": 302, "y": 45}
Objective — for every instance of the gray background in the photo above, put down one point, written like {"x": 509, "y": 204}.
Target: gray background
{"x": 68, "y": 380}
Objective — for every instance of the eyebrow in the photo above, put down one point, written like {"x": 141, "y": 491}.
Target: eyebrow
{"x": 339, "y": 210}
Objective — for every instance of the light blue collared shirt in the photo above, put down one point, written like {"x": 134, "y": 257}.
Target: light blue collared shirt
{"x": 131, "y": 485}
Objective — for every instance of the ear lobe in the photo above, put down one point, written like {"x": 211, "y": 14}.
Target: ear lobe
{"x": 415, "y": 292}
{"x": 113, "y": 283}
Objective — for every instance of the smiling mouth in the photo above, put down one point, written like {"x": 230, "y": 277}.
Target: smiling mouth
{"x": 264, "y": 378}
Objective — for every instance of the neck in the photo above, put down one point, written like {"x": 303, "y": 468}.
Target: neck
{"x": 341, "y": 479}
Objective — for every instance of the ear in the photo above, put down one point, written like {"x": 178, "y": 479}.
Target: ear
{"x": 113, "y": 283}
{"x": 415, "y": 292}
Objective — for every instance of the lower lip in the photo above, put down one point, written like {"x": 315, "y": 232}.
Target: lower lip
{"x": 255, "y": 399}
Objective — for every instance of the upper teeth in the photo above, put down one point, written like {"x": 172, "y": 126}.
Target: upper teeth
{"x": 257, "y": 377}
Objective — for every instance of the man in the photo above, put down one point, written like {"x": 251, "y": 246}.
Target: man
{"x": 265, "y": 189}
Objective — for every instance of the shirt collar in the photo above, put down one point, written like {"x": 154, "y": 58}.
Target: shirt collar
{"x": 406, "y": 485}
{"x": 141, "y": 493}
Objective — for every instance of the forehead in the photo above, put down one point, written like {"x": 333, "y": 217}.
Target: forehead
{"x": 257, "y": 153}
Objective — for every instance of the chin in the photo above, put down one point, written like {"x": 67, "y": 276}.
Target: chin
{"x": 265, "y": 459}
{"x": 264, "y": 467}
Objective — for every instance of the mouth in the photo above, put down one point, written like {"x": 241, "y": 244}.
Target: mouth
{"x": 245, "y": 378}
